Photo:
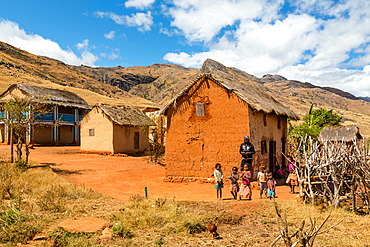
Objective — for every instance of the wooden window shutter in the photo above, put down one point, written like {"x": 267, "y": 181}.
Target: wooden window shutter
{"x": 200, "y": 109}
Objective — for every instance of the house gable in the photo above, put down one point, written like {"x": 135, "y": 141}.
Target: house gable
{"x": 194, "y": 143}
{"x": 13, "y": 93}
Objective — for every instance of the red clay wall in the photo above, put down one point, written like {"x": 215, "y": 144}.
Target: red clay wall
{"x": 195, "y": 144}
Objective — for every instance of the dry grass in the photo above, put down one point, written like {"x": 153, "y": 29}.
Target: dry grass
{"x": 353, "y": 231}
{"x": 37, "y": 197}
{"x": 40, "y": 200}
{"x": 45, "y": 72}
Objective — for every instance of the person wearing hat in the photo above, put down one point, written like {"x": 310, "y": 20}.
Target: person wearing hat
{"x": 247, "y": 151}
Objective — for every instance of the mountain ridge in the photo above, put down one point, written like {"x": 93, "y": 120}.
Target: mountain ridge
{"x": 18, "y": 66}
{"x": 154, "y": 85}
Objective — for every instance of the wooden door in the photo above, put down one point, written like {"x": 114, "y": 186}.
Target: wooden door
{"x": 136, "y": 140}
{"x": 272, "y": 155}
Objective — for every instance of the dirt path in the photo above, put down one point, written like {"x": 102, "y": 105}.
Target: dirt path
{"x": 122, "y": 177}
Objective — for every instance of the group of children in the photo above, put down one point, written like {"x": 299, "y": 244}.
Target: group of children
{"x": 265, "y": 180}
{"x": 245, "y": 188}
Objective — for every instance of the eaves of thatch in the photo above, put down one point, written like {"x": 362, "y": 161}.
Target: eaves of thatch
{"x": 340, "y": 133}
{"x": 49, "y": 96}
{"x": 240, "y": 84}
{"x": 126, "y": 115}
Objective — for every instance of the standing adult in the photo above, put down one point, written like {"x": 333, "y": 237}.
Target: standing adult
{"x": 247, "y": 151}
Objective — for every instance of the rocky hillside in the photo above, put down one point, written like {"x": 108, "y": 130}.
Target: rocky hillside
{"x": 141, "y": 86}
{"x": 157, "y": 82}
{"x": 18, "y": 66}
{"x": 160, "y": 82}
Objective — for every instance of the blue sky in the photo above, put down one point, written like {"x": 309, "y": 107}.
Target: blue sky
{"x": 319, "y": 41}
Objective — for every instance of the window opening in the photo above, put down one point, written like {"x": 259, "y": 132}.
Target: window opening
{"x": 200, "y": 109}
{"x": 263, "y": 147}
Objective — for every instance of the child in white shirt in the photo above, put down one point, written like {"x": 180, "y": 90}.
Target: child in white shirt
{"x": 219, "y": 184}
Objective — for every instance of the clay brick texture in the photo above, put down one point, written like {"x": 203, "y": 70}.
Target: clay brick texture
{"x": 194, "y": 144}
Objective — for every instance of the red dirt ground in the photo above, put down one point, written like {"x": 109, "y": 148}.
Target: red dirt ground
{"x": 123, "y": 177}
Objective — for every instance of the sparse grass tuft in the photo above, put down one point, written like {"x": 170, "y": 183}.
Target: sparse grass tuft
{"x": 163, "y": 216}
{"x": 31, "y": 198}
{"x": 122, "y": 231}
{"x": 62, "y": 238}
{"x": 53, "y": 200}
{"x": 17, "y": 226}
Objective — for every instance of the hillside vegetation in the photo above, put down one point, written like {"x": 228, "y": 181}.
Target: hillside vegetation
{"x": 17, "y": 66}
{"x": 140, "y": 86}
{"x": 161, "y": 82}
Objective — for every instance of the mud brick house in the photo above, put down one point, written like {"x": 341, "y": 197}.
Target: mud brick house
{"x": 61, "y": 126}
{"x": 115, "y": 129}
{"x": 208, "y": 119}
{"x": 346, "y": 134}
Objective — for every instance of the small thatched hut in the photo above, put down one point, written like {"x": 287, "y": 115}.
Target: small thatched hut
{"x": 115, "y": 129}
{"x": 345, "y": 134}
{"x": 207, "y": 120}
{"x": 58, "y": 127}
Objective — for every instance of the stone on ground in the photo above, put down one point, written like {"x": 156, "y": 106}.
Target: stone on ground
{"x": 106, "y": 235}
{"x": 84, "y": 225}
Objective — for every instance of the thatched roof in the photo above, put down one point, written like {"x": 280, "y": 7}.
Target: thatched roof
{"x": 126, "y": 115}
{"x": 240, "y": 84}
{"x": 339, "y": 133}
{"x": 49, "y": 96}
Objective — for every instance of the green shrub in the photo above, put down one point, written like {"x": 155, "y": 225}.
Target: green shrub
{"x": 21, "y": 164}
{"x": 122, "y": 231}
{"x": 16, "y": 226}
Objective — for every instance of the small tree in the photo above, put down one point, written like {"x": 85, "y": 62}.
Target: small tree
{"x": 314, "y": 122}
{"x": 19, "y": 115}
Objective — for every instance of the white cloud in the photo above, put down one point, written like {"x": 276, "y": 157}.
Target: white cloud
{"x": 110, "y": 35}
{"x": 143, "y": 21}
{"x": 83, "y": 45}
{"x": 113, "y": 56}
{"x": 356, "y": 82}
{"x": 202, "y": 20}
{"x": 139, "y": 4}
{"x": 314, "y": 43}
{"x": 35, "y": 44}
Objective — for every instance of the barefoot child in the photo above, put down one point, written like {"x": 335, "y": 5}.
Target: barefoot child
{"x": 234, "y": 186}
{"x": 261, "y": 178}
{"x": 292, "y": 181}
{"x": 271, "y": 185}
{"x": 245, "y": 188}
{"x": 219, "y": 184}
